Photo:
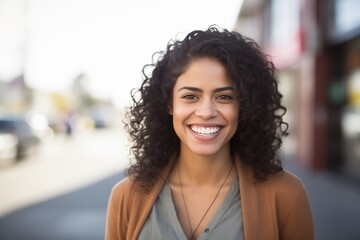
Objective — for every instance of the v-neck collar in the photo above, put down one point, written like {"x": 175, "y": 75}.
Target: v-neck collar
{"x": 166, "y": 199}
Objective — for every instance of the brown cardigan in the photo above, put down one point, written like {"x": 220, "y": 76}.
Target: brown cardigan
{"x": 275, "y": 209}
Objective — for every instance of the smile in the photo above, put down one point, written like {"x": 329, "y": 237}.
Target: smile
{"x": 205, "y": 131}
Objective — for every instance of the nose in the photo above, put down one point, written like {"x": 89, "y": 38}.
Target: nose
{"x": 206, "y": 109}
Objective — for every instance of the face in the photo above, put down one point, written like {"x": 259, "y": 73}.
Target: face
{"x": 205, "y": 108}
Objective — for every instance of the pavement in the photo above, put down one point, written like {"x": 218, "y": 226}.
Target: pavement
{"x": 335, "y": 203}
{"x": 62, "y": 165}
{"x": 77, "y": 215}
{"x": 81, "y": 214}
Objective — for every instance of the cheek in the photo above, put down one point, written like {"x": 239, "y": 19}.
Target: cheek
{"x": 233, "y": 118}
{"x": 232, "y": 113}
{"x": 179, "y": 114}
{"x": 181, "y": 109}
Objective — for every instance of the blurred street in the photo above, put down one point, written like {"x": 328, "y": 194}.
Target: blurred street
{"x": 65, "y": 164}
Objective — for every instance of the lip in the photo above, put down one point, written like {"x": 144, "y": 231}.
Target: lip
{"x": 205, "y": 124}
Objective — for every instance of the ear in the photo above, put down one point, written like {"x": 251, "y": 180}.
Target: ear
{"x": 170, "y": 109}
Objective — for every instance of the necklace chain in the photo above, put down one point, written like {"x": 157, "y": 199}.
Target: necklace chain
{"x": 207, "y": 210}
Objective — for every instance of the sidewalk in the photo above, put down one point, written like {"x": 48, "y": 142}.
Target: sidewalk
{"x": 61, "y": 166}
{"x": 335, "y": 202}
{"x": 78, "y": 215}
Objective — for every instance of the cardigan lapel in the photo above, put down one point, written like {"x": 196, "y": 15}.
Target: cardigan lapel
{"x": 148, "y": 200}
{"x": 257, "y": 212}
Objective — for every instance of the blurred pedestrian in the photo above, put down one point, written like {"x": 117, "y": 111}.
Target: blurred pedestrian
{"x": 68, "y": 124}
{"x": 206, "y": 125}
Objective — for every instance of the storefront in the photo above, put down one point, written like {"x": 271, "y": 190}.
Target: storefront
{"x": 342, "y": 40}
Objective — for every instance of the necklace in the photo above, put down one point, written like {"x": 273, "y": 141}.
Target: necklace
{"x": 207, "y": 210}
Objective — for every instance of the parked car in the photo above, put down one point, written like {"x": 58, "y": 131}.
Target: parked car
{"x": 16, "y": 131}
{"x": 102, "y": 116}
{"x": 8, "y": 146}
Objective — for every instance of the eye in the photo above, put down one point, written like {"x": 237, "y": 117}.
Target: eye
{"x": 190, "y": 97}
{"x": 224, "y": 97}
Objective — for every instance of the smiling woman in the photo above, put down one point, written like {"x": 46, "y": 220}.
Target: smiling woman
{"x": 206, "y": 126}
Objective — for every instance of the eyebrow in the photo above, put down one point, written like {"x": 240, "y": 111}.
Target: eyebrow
{"x": 199, "y": 90}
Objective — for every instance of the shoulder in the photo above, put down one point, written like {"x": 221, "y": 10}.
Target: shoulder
{"x": 126, "y": 190}
{"x": 281, "y": 183}
{"x": 124, "y": 204}
{"x": 291, "y": 204}
{"x": 287, "y": 190}
{"x": 129, "y": 207}
{"x": 130, "y": 195}
{"x": 123, "y": 186}
{"x": 285, "y": 181}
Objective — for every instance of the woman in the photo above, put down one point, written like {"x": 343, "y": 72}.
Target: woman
{"x": 206, "y": 126}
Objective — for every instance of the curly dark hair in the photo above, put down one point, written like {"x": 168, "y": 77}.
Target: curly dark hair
{"x": 260, "y": 126}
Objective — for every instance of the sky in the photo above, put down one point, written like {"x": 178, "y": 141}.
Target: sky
{"x": 53, "y": 41}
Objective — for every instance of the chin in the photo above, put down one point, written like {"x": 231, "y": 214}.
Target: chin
{"x": 205, "y": 151}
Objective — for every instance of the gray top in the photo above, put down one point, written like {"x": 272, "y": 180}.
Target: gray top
{"x": 163, "y": 223}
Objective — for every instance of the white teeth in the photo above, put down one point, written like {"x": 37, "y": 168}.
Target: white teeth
{"x": 205, "y": 130}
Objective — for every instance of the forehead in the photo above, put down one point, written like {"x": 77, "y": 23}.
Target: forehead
{"x": 204, "y": 72}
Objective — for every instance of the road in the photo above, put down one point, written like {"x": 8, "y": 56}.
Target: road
{"x": 62, "y": 165}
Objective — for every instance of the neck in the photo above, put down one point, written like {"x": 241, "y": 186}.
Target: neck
{"x": 197, "y": 170}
